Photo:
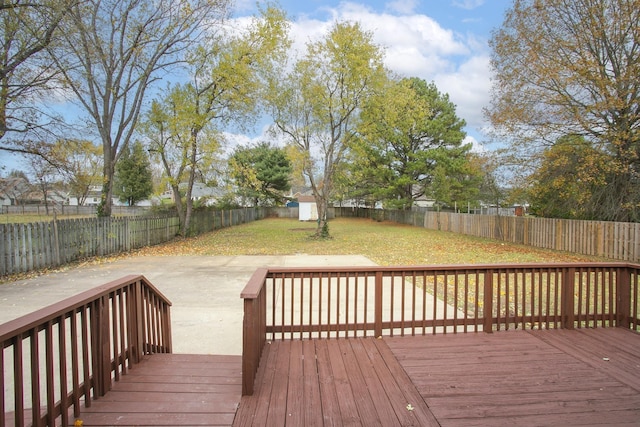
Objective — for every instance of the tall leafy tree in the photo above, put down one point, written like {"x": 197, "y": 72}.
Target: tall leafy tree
{"x": 262, "y": 173}
{"x": 570, "y": 174}
{"x": 133, "y": 180}
{"x": 316, "y": 105}
{"x": 410, "y": 145}
{"x": 570, "y": 67}
{"x": 115, "y": 50}
{"x": 229, "y": 72}
{"x": 80, "y": 164}
{"x": 27, "y": 30}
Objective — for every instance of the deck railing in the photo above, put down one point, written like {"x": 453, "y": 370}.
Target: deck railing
{"x": 64, "y": 355}
{"x": 300, "y": 303}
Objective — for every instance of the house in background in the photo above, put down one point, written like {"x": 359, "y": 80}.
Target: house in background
{"x": 13, "y": 191}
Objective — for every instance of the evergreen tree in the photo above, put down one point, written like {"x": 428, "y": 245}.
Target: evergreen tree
{"x": 133, "y": 175}
{"x": 262, "y": 173}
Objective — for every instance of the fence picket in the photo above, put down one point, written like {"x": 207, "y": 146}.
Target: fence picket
{"x": 28, "y": 246}
{"x": 615, "y": 240}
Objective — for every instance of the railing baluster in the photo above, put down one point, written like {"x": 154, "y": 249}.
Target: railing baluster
{"x": 62, "y": 345}
{"x": 34, "y": 346}
{"x": 18, "y": 380}
{"x": 51, "y": 398}
{"x": 75, "y": 368}
{"x": 435, "y": 301}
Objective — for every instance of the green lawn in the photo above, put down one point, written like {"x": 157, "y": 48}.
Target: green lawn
{"x": 383, "y": 242}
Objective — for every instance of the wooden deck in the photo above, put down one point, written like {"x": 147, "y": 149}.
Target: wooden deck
{"x": 174, "y": 390}
{"x": 514, "y": 378}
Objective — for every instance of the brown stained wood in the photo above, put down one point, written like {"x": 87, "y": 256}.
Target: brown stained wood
{"x": 295, "y": 390}
{"x": 522, "y": 378}
{"x": 418, "y": 408}
{"x": 362, "y": 397}
{"x": 512, "y": 378}
{"x": 345, "y": 382}
{"x": 253, "y": 411}
{"x": 329, "y": 397}
{"x": 369, "y": 371}
{"x": 162, "y": 391}
{"x": 312, "y": 408}
{"x": 346, "y": 400}
{"x": 247, "y": 408}
{"x": 275, "y": 415}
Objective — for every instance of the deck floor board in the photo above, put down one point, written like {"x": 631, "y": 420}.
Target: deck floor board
{"x": 586, "y": 377}
{"x": 522, "y": 378}
{"x": 171, "y": 389}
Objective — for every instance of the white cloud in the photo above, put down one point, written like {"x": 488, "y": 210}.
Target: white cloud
{"x": 417, "y": 46}
{"x": 468, "y": 87}
{"x": 467, "y": 4}
{"x": 404, "y": 7}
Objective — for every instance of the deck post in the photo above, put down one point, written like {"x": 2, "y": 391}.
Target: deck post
{"x": 377, "y": 312}
{"x": 487, "y": 306}
{"x": 623, "y": 297}
{"x": 254, "y": 327}
{"x": 567, "y": 305}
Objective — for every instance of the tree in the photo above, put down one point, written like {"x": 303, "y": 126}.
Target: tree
{"x": 316, "y": 105}
{"x": 564, "y": 184}
{"x": 116, "y": 50}
{"x": 27, "y": 29}
{"x": 80, "y": 163}
{"x": 133, "y": 180}
{"x": 571, "y": 68}
{"x": 45, "y": 174}
{"x": 261, "y": 173}
{"x": 228, "y": 74}
{"x": 410, "y": 145}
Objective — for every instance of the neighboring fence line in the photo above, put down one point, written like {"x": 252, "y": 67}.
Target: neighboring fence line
{"x": 58, "y": 209}
{"x": 31, "y": 246}
{"x": 615, "y": 240}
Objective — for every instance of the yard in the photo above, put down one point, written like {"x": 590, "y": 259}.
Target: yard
{"x": 384, "y": 243}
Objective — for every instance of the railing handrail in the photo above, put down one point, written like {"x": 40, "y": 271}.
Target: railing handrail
{"x": 27, "y": 322}
{"x": 562, "y": 295}
{"x": 74, "y": 349}
{"x": 445, "y": 267}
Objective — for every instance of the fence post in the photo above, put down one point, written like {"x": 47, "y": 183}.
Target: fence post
{"x": 567, "y": 305}
{"x": 487, "y": 312}
{"x": 623, "y": 297}
{"x": 377, "y": 312}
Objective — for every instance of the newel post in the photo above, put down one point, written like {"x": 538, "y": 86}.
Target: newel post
{"x": 623, "y": 299}
{"x": 254, "y": 327}
{"x": 487, "y": 304}
{"x": 567, "y": 305}
{"x": 377, "y": 312}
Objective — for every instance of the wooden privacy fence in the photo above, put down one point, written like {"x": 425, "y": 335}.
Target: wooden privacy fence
{"x": 302, "y": 303}
{"x": 615, "y": 240}
{"x": 64, "y": 355}
{"x": 31, "y": 246}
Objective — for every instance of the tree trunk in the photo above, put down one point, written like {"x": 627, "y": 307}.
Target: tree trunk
{"x": 322, "y": 206}
{"x": 192, "y": 178}
{"x": 178, "y": 201}
{"x": 104, "y": 208}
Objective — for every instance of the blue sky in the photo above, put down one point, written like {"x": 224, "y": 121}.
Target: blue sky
{"x": 444, "y": 41}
